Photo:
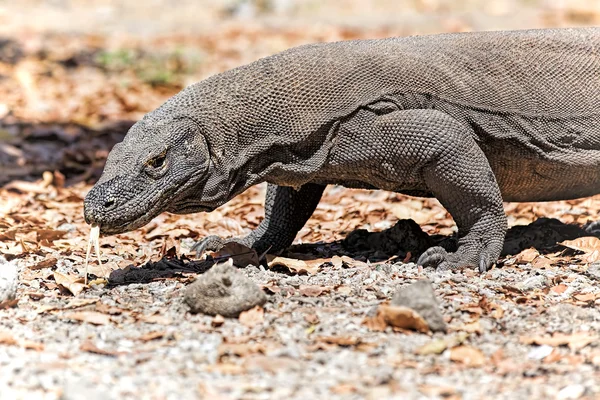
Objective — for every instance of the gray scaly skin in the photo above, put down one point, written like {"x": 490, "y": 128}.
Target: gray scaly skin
{"x": 471, "y": 118}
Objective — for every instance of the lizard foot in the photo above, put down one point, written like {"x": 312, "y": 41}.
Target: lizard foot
{"x": 438, "y": 257}
{"x": 209, "y": 243}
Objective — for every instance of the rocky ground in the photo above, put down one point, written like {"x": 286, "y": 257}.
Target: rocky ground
{"x": 326, "y": 322}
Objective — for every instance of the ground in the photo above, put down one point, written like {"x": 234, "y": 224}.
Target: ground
{"x": 71, "y": 86}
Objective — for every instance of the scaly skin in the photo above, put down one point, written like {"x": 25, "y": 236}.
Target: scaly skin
{"x": 472, "y": 119}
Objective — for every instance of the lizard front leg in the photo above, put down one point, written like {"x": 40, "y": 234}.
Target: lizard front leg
{"x": 286, "y": 211}
{"x": 456, "y": 171}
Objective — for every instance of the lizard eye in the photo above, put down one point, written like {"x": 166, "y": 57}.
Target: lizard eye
{"x": 155, "y": 166}
{"x": 157, "y": 162}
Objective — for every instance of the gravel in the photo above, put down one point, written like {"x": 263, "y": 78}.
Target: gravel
{"x": 152, "y": 347}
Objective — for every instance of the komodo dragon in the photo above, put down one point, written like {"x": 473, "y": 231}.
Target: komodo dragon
{"x": 470, "y": 118}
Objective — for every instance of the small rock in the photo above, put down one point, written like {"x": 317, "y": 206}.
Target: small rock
{"x": 571, "y": 392}
{"x": 420, "y": 297}
{"x": 534, "y": 282}
{"x": 8, "y": 281}
{"x": 223, "y": 290}
{"x": 593, "y": 271}
{"x": 540, "y": 352}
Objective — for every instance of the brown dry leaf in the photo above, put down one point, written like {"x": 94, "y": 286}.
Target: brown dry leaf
{"x": 7, "y": 338}
{"x": 343, "y": 289}
{"x": 49, "y": 234}
{"x": 153, "y": 319}
{"x": 45, "y": 263}
{"x": 553, "y": 357}
{"x": 297, "y": 266}
{"x": 70, "y": 282}
{"x": 252, "y": 317}
{"x": 575, "y": 341}
{"x": 152, "y": 336}
{"x": 473, "y": 327}
{"x": 438, "y": 391}
{"x": 339, "y": 340}
{"x": 587, "y": 244}
{"x": 541, "y": 262}
{"x": 31, "y": 345}
{"x": 403, "y": 317}
{"x": 467, "y": 355}
{"x": 344, "y": 389}
{"x": 560, "y": 289}
{"x": 9, "y": 303}
{"x": 527, "y": 255}
{"x": 92, "y": 317}
{"x": 312, "y": 290}
{"x": 241, "y": 255}
{"x": 587, "y": 297}
{"x": 27, "y": 187}
{"x": 226, "y": 369}
{"x": 92, "y": 348}
{"x": 76, "y": 303}
{"x": 241, "y": 349}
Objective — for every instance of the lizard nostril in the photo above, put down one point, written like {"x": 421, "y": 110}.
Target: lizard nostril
{"x": 109, "y": 204}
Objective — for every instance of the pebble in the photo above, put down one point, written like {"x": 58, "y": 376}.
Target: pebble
{"x": 540, "y": 352}
{"x": 9, "y": 279}
{"x": 571, "y": 392}
{"x": 593, "y": 271}
{"x": 420, "y": 297}
{"x": 534, "y": 282}
{"x": 223, "y": 290}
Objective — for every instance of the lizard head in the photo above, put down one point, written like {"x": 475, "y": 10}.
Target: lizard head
{"x": 163, "y": 164}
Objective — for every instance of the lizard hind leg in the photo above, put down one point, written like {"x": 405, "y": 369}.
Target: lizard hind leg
{"x": 444, "y": 154}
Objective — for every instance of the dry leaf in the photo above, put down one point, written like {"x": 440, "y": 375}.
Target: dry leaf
{"x": 297, "y": 266}
{"x": 241, "y": 255}
{"x": 473, "y": 327}
{"x": 252, "y": 317}
{"x": 241, "y": 349}
{"x": 560, "y": 289}
{"x": 343, "y": 289}
{"x": 31, "y": 345}
{"x": 438, "y": 391}
{"x": 403, "y": 317}
{"x": 575, "y": 341}
{"x": 467, "y": 355}
{"x": 527, "y": 255}
{"x": 339, "y": 340}
{"x": 92, "y": 348}
{"x": 49, "y": 234}
{"x": 587, "y": 297}
{"x": 437, "y": 346}
{"x": 312, "y": 290}
{"x": 45, "y": 263}
{"x": 154, "y": 319}
{"x": 152, "y": 336}
{"x": 71, "y": 283}
{"x": 7, "y": 338}
{"x": 92, "y": 317}
{"x": 587, "y": 244}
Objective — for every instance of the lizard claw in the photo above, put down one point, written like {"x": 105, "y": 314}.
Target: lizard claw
{"x": 209, "y": 243}
{"x": 439, "y": 258}
{"x": 435, "y": 257}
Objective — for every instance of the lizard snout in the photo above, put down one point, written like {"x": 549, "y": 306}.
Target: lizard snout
{"x": 99, "y": 203}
